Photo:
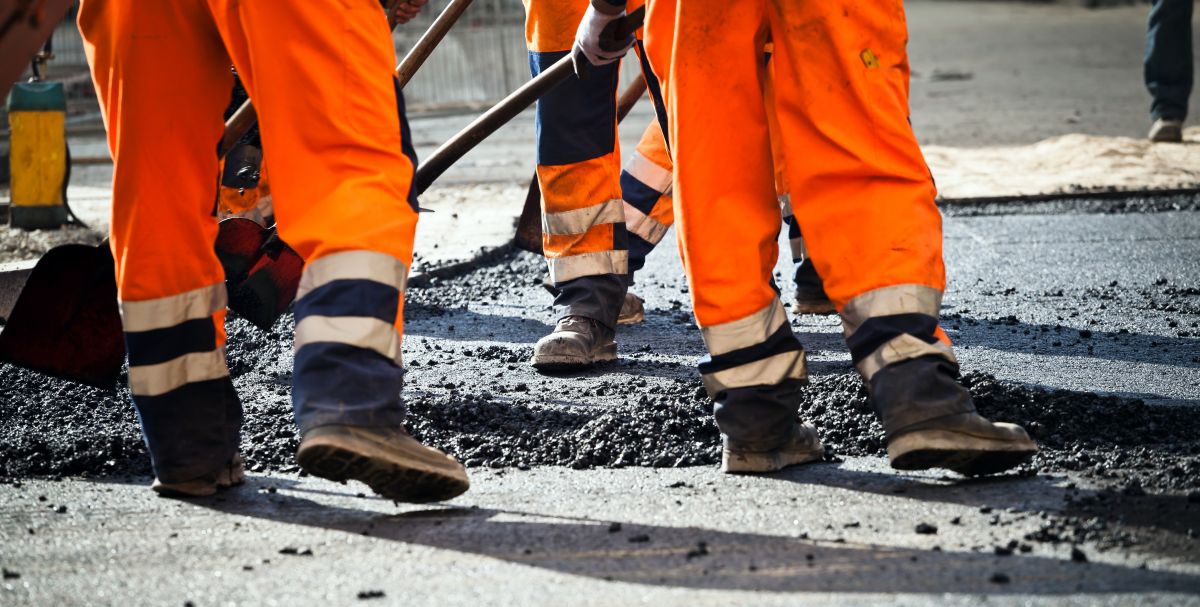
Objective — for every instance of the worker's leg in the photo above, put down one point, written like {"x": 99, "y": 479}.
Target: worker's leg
{"x": 728, "y": 220}
{"x": 868, "y": 216}
{"x": 578, "y": 167}
{"x": 340, "y": 187}
{"x": 646, "y": 190}
{"x": 810, "y": 291}
{"x": 162, "y": 77}
{"x": 1168, "y": 59}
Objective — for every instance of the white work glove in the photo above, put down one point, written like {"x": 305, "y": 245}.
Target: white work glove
{"x": 596, "y": 39}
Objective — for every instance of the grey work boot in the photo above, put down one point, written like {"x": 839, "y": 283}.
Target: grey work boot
{"x": 228, "y": 475}
{"x": 804, "y": 446}
{"x": 632, "y": 310}
{"x": 1166, "y": 131}
{"x": 810, "y": 291}
{"x": 930, "y": 422}
{"x": 576, "y": 342}
{"x": 392, "y": 463}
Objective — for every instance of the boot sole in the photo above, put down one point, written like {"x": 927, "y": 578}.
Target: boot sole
{"x": 734, "y": 462}
{"x": 391, "y": 475}
{"x": 965, "y": 454}
{"x": 558, "y": 363}
{"x": 813, "y": 307}
{"x": 632, "y": 320}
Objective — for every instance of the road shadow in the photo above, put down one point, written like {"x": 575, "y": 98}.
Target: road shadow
{"x": 697, "y": 558}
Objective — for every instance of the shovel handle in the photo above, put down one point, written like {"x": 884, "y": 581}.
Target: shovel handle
{"x": 506, "y": 110}
{"x": 420, "y": 52}
{"x": 246, "y": 116}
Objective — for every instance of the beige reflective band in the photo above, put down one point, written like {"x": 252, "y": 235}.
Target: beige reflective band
{"x": 580, "y": 221}
{"x": 153, "y": 380}
{"x": 353, "y": 265}
{"x": 745, "y": 332}
{"x": 563, "y": 269}
{"x": 166, "y": 312}
{"x": 360, "y": 331}
{"x": 765, "y": 372}
{"x": 646, "y": 171}
{"x": 641, "y": 224}
{"x": 899, "y": 299}
{"x": 785, "y": 202}
{"x": 902, "y": 347}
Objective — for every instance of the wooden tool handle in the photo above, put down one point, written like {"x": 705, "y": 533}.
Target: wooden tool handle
{"x": 502, "y": 112}
{"x": 420, "y": 52}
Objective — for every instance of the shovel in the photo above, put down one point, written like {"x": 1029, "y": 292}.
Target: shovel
{"x": 66, "y": 323}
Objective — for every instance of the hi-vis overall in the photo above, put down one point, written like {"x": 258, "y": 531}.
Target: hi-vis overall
{"x": 340, "y": 189}
{"x": 578, "y": 168}
{"x": 862, "y": 194}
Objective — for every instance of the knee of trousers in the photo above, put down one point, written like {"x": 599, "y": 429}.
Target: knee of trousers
{"x": 348, "y": 367}
{"x": 758, "y": 350}
{"x": 189, "y": 410}
{"x": 893, "y": 324}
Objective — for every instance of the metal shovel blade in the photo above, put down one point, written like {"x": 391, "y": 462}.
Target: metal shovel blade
{"x": 262, "y": 273}
{"x": 66, "y": 323}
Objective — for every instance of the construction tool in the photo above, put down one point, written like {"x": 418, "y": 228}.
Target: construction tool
{"x": 25, "y": 25}
{"x": 66, "y": 323}
{"x": 261, "y": 272}
{"x": 529, "y": 226}
{"x": 496, "y": 117}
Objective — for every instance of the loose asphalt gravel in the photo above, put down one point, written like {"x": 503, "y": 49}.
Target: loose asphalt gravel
{"x": 471, "y": 392}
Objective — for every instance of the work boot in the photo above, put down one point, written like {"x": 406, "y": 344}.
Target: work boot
{"x": 1166, "y": 131}
{"x": 575, "y": 342}
{"x": 929, "y": 421}
{"x": 804, "y": 446}
{"x": 810, "y": 291}
{"x": 228, "y": 475}
{"x": 392, "y": 463}
{"x": 632, "y": 310}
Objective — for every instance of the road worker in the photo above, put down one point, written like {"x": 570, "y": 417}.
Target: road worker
{"x": 578, "y": 169}
{"x": 867, "y": 210}
{"x": 342, "y": 166}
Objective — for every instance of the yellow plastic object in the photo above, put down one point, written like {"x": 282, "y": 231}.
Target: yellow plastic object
{"x": 37, "y": 164}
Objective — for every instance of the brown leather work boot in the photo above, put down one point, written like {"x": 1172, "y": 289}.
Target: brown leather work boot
{"x": 229, "y": 475}
{"x": 576, "y": 342}
{"x": 392, "y": 463}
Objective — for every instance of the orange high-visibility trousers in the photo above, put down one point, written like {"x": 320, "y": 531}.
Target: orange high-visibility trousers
{"x": 862, "y": 194}
{"x": 578, "y": 169}
{"x": 320, "y": 75}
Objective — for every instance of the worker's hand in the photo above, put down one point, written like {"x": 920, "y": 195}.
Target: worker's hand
{"x": 404, "y": 11}
{"x": 596, "y": 39}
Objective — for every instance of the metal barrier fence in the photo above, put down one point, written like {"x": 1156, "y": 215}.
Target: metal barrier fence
{"x": 480, "y": 61}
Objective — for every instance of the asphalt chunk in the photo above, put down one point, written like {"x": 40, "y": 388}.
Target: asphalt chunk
{"x": 926, "y": 529}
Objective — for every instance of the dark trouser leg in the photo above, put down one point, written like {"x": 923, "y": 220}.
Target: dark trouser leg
{"x": 1168, "y": 60}
{"x": 596, "y": 297}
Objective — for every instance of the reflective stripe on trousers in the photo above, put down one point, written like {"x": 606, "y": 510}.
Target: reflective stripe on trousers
{"x": 349, "y": 317}
{"x": 758, "y": 350}
{"x": 892, "y": 324}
